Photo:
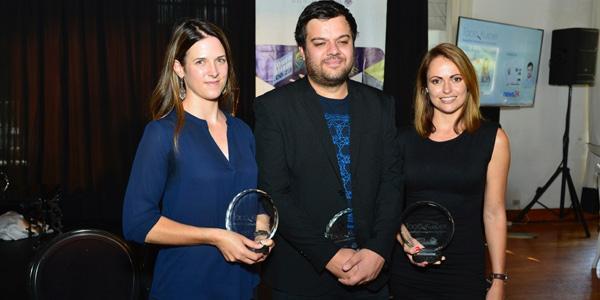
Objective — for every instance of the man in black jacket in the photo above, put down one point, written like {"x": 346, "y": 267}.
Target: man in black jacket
{"x": 324, "y": 144}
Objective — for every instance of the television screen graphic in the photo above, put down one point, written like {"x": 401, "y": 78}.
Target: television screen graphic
{"x": 506, "y": 59}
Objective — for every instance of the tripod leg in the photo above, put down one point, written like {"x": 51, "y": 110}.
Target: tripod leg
{"x": 562, "y": 191}
{"x": 576, "y": 205}
{"x": 538, "y": 194}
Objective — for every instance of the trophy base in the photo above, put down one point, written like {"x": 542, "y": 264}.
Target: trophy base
{"x": 429, "y": 256}
{"x": 347, "y": 242}
{"x": 263, "y": 250}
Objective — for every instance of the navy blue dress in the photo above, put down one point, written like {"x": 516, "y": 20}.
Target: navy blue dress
{"x": 191, "y": 185}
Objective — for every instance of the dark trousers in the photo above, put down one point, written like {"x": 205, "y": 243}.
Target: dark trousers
{"x": 338, "y": 294}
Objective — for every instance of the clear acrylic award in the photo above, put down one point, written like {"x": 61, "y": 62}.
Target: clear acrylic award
{"x": 252, "y": 214}
{"x": 339, "y": 231}
{"x": 431, "y": 225}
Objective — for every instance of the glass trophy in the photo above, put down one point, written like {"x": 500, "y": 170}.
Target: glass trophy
{"x": 338, "y": 230}
{"x": 252, "y": 214}
{"x": 430, "y": 224}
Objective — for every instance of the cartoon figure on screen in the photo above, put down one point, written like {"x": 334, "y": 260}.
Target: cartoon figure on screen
{"x": 485, "y": 72}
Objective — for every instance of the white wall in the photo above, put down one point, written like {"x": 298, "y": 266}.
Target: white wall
{"x": 592, "y": 178}
{"x": 536, "y": 132}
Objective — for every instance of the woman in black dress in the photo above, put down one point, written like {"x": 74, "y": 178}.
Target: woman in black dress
{"x": 455, "y": 158}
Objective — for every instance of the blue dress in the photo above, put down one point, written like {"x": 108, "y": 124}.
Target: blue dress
{"x": 191, "y": 185}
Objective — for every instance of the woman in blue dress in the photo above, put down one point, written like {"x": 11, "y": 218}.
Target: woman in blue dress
{"x": 192, "y": 160}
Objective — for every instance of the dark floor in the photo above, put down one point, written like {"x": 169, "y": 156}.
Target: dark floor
{"x": 555, "y": 264}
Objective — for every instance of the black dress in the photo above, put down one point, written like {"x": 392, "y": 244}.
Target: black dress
{"x": 453, "y": 174}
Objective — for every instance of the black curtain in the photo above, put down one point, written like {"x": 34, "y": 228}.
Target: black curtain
{"x": 406, "y": 43}
{"x": 76, "y": 101}
{"x": 79, "y": 74}
{"x": 242, "y": 37}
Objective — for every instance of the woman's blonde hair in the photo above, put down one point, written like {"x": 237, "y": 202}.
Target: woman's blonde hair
{"x": 166, "y": 93}
{"x": 470, "y": 118}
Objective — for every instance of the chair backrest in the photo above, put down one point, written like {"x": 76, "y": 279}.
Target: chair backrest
{"x": 84, "y": 264}
{"x": 4, "y": 182}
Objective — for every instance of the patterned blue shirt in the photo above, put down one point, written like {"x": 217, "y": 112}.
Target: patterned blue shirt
{"x": 337, "y": 116}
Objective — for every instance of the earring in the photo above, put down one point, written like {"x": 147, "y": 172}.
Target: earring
{"x": 426, "y": 91}
{"x": 181, "y": 89}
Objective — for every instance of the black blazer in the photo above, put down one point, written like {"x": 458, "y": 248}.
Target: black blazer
{"x": 298, "y": 167}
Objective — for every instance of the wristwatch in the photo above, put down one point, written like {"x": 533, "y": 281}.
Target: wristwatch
{"x": 501, "y": 276}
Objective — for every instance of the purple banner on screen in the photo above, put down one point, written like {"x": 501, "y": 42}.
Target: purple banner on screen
{"x": 279, "y": 65}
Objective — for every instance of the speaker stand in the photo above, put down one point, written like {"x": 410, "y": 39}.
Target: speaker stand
{"x": 566, "y": 180}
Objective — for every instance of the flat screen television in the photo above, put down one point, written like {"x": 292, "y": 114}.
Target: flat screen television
{"x": 506, "y": 58}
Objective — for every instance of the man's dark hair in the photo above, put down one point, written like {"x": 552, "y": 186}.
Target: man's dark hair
{"x": 530, "y": 64}
{"x": 322, "y": 10}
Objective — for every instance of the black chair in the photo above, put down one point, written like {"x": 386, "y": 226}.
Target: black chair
{"x": 84, "y": 264}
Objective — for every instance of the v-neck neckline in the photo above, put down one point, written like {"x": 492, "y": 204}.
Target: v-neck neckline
{"x": 212, "y": 139}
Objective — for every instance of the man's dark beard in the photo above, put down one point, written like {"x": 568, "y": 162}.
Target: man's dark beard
{"x": 320, "y": 78}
